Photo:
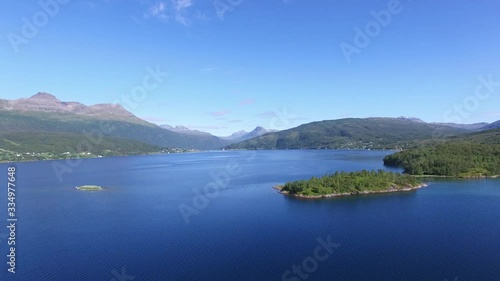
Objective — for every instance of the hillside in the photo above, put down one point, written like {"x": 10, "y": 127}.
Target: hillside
{"x": 372, "y": 133}
{"x": 45, "y": 113}
{"x": 23, "y": 146}
{"x": 494, "y": 125}
{"x": 485, "y": 137}
{"x": 471, "y": 127}
{"x": 471, "y": 155}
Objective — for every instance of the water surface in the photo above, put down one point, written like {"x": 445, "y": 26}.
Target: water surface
{"x": 246, "y": 231}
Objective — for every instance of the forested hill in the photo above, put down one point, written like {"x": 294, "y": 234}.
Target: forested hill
{"x": 44, "y": 113}
{"x": 472, "y": 155}
{"x": 372, "y": 133}
{"x": 487, "y": 137}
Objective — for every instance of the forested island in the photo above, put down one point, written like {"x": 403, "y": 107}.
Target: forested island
{"x": 342, "y": 183}
{"x": 462, "y": 159}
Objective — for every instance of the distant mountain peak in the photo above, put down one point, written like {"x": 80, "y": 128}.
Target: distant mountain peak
{"x": 243, "y": 135}
{"x": 240, "y": 133}
{"x": 236, "y": 136}
{"x": 48, "y": 103}
{"x": 410, "y": 118}
{"x": 183, "y": 130}
{"x": 44, "y": 96}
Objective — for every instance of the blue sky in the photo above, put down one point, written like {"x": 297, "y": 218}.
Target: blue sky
{"x": 236, "y": 64}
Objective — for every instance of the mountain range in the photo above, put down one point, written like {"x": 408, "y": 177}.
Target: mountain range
{"x": 44, "y": 102}
{"x": 235, "y": 137}
{"x": 368, "y": 133}
{"x": 44, "y": 113}
{"x": 51, "y": 124}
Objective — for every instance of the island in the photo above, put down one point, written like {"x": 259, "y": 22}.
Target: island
{"x": 353, "y": 183}
{"x": 89, "y": 187}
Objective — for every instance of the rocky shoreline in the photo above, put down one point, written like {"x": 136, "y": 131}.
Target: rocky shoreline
{"x": 391, "y": 189}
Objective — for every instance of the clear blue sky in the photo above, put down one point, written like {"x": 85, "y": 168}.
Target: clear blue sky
{"x": 262, "y": 59}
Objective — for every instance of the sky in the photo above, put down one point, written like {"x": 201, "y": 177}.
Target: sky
{"x": 226, "y": 65}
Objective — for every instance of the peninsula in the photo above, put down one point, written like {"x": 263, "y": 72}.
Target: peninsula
{"x": 354, "y": 183}
{"x": 454, "y": 158}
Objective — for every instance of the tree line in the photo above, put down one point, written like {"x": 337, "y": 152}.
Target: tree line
{"x": 454, "y": 158}
{"x": 353, "y": 182}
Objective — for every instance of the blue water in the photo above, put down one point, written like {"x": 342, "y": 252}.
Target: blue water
{"x": 134, "y": 229}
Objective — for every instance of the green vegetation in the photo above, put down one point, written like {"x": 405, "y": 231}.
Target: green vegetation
{"x": 484, "y": 137}
{"x": 457, "y": 158}
{"x": 32, "y": 146}
{"x": 130, "y": 129}
{"x": 342, "y": 183}
{"x": 89, "y": 187}
{"x": 352, "y": 133}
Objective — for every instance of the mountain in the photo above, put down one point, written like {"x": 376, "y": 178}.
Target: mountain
{"x": 237, "y": 136}
{"x": 494, "y": 125}
{"x": 373, "y": 133}
{"x": 257, "y": 132}
{"x": 184, "y": 130}
{"x": 414, "y": 119}
{"x": 470, "y": 127}
{"x": 44, "y": 102}
{"x": 44, "y": 113}
{"x": 491, "y": 136}
{"x": 243, "y": 135}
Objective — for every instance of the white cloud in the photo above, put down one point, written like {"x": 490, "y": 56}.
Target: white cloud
{"x": 181, "y": 7}
{"x": 158, "y": 10}
{"x": 182, "y": 4}
{"x": 178, "y": 10}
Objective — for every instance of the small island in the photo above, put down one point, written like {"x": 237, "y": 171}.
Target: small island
{"x": 343, "y": 184}
{"x": 89, "y": 187}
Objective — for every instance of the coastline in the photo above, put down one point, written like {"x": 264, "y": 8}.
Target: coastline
{"x": 457, "y": 177}
{"x": 390, "y": 190}
{"x": 92, "y": 157}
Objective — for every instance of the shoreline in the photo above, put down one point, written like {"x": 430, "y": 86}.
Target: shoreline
{"x": 93, "y": 157}
{"x": 390, "y": 190}
{"x": 456, "y": 177}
